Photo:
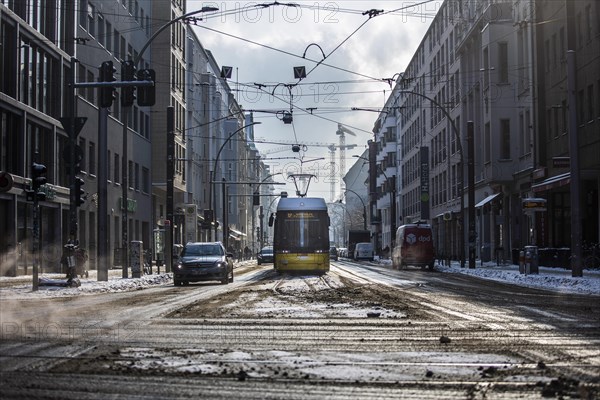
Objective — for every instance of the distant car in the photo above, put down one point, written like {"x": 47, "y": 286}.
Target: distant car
{"x": 203, "y": 261}
{"x": 363, "y": 251}
{"x": 265, "y": 255}
{"x": 333, "y": 253}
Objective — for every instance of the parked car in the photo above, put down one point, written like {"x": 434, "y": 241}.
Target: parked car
{"x": 203, "y": 261}
{"x": 364, "y": 251}
{"x": 414, "y": 246}
{"x": 333, "y": 253}
{"x": 265, "y": 255}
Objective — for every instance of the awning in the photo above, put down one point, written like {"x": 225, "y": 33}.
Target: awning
{"x": 552, "y": 182}
{"x": 487, "y": 200}
{"x": 237, "y": 232}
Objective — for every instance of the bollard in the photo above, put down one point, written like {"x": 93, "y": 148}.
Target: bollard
{"x": 521, "y": 262}
{"x": 136, "y": 258}
{"x": 531, "y": 259}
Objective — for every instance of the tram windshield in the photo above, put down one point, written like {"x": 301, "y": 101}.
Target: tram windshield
{"x": 302, "y": 231}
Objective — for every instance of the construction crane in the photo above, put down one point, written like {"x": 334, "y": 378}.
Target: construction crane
{"x": 332, "y": 148}
{"x": 341, "y": 131}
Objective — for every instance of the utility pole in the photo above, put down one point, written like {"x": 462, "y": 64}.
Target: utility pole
{"x": 471, "y": 191}
{"x": 576, "y": 259}
{"x": 170, "y": 186}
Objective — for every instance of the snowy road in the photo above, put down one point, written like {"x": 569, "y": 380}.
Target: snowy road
{"x": 362, "y": 331}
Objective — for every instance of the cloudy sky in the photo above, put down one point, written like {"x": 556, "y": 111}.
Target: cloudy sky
{"x": 348, "y": 56}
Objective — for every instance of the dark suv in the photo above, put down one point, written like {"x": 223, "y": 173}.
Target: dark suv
{"x": 333, "y": 253}
{"x": 265, "y": 255}
{"x": 203, "y": 261}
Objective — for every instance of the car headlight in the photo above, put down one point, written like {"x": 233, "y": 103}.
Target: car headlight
{"x": 221, "y": 264}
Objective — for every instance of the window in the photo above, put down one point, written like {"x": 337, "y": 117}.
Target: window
{"x": 503, "y": 62}
{"x": 137, "y": 176}
{"x": 486, "y": 143}
{"x": 554, "y": 51}
{"x": 101, "y": 32}
{"x": 82, "y": 14}
{"x": 117, "y": 169}
{"x": 130, "y": 174}
{"x": 581, "y": 107}
{"x": 590, "y": 102}
{"x": 116, "y": 41}
{"x": 145, "y": 180}
{"x": 92, "y": 158}
{"x": 89, "y": 93}
{"x": 91, "y": 20}
{"x": 108, "y": 40}
{"x": 505, "y": 137}
{"x": 83, "y": 155}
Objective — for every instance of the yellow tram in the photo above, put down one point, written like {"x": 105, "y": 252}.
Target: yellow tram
{"x": 301, "y": 235}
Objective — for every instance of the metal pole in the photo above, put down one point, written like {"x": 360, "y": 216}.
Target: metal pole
{"x": 576, "y": 267}
{"x": 225, "y": 219}
{"x": 71, "y": 273}
{"x": 170, "y": 183}
{"x": 102, "y": 248}
{"x": 124, "y": 200}
{"x": 471, "y": 173}
{"x": 36, "y": 233}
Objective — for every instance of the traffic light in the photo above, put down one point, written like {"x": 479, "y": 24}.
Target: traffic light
{"x": 146, "y": 95}
{"x": 128, "y": 74}
{"x": 256, "y": 199}
{"x": 79, "y": 191}
{"x": 38, "y": 179}
{"x": 107, "y": 74}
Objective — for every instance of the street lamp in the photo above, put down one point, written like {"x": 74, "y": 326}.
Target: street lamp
{"x": 364, "y": 207}
{"x": 212, "y": 194}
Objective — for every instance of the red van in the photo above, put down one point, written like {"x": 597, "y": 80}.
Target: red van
{"x": 414, "y": 246}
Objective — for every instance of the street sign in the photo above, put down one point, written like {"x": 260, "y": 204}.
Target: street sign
{"x": 534, "y": 204}
{"x": 561, "y": 162}
{"x": 78, "y": 124}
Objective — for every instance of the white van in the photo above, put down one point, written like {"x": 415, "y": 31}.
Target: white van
{"x": 363, "y": 251}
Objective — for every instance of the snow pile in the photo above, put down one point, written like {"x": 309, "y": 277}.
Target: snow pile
{"x": 21, "y": 287}
{"x": 556, "y": 279}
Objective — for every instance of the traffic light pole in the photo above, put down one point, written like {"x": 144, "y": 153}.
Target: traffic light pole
{"x": 124, "y": 202}
{"x": 102, "y": 248}
{"x": 72, "y": 169}
{"x": 36, "y": 233}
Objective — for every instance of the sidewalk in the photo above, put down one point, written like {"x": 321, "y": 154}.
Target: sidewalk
{"x": 548, "y": 278}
